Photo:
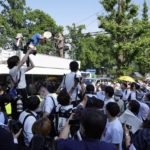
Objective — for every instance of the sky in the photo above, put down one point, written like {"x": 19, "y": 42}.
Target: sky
{"x": 66, "y": 12}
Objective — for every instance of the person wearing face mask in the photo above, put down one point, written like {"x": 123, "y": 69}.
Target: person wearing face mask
{"x": 49, "y": 102}
{"x": 118, "y": 98}
{"x": 109, "y": 92}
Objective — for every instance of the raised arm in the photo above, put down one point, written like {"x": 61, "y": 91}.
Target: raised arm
{"x": 31, "y": 64}
{"x": 24, "y": 59}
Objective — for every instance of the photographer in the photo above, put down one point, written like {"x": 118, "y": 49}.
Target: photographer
{"x": 60, "y": 45}
{"x": 18, "y": 42}
{"x": 17, "y": 75}
{"x": 92, "y": 125}
{"x": 65, "y": 108}
{"x": 69, "y": 83}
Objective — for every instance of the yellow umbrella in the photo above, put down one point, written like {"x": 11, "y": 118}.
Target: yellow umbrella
{"x": 126, "y": 78}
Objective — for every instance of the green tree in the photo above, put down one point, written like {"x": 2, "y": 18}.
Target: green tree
{"x": 123, "y": 29}
{"x": 38, "y": 22}
{"x": 18, "y": 18}
{"x": 142, "y": 59}
{"x": 87, "y": 49}
{"x": 75, "y": 36}
{"x": 106, "y": 60}
{"x": 145, "y": 12}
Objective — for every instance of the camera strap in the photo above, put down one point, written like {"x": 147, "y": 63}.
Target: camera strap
{"x": 30, "y": 114}
{"x": 76, "y": 89}
{"x": 17, "y": 80}
{"x": 64, "y": 84}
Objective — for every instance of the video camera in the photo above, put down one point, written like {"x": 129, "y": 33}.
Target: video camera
{"x": 77, "y": 78}
{"x": 75, "y": 122}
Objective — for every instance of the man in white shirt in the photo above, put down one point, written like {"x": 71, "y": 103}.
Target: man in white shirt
{"x": 28, "y": 117}
{"x": 144, "y": 110}
{"x": 114, "y": 131}
{"x": 90, "y": 91}
{"x": 118, "y": 98}
{"x": 69, "y": 81}
{"x": 49, "y": 103}
{"x": 109, "y": 92}
{"x": 101, "y": 94}
{"x": 17, "y": 74}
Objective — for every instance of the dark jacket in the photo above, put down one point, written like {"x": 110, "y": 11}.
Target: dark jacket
{"x": 6, "y": 140}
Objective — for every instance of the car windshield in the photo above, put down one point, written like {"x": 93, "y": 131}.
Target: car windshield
{"x": 88, "y": 81}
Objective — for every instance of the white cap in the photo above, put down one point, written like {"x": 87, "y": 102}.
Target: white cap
{"x": 19, "y": 35}
{"x": 47, "y": 34}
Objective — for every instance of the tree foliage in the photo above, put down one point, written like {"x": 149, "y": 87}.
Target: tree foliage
{"x": 16, "y": 17}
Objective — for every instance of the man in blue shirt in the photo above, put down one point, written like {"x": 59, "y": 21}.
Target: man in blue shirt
{"x": 92, "y": 125}
{"x": 39, "y": 37}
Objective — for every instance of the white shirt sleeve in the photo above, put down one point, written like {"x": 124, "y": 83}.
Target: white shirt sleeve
{"x": 48, "y": 105}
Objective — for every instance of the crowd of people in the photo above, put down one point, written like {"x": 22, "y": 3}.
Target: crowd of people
{"x": 108, "y": 115}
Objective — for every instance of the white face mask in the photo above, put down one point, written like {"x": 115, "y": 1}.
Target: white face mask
{"x": 117, "y": 98}
{"x": 43, "y": 97}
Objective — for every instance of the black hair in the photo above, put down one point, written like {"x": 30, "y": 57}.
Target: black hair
{"x": 93, "y": 102}
{"x": 103, "y": 87}
{"x": 37, "y": 142}
{"x": 134, "y": 107}
{"x": 133, "y": 85}
{"x": 12, "y": 61}
{"x": 50, "y": 88}
{"x": 63, "y": 98}
{"x": 74, "y": 66}
{"x": 90, "y": 88}
{"x": 113, "y": 109}
{"x": 33, "y": 103}
{"x": 148, "y": 96}
{"x": 146, "y": 124}
{"x": 137, "y": 87}
{"x": 109, "y": 90}
{"x": 125, "y": 84}
{"x": 93, "y": 122}
{"x": 14, "y": 126}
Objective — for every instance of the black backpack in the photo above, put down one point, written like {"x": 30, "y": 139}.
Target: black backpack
{"x": 21, "y": 137}
{"x": 53, "y": 117}
{"x": 63, "y": 115}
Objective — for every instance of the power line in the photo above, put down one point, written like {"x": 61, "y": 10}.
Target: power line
{"x": 87, "y": 18}
{"x": 91, "y": 22}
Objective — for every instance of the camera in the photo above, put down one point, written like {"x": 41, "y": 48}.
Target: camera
{"x": 25, "y": 49}
{"x": 75, "y": 122}
{"x": 77, "y": 78}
